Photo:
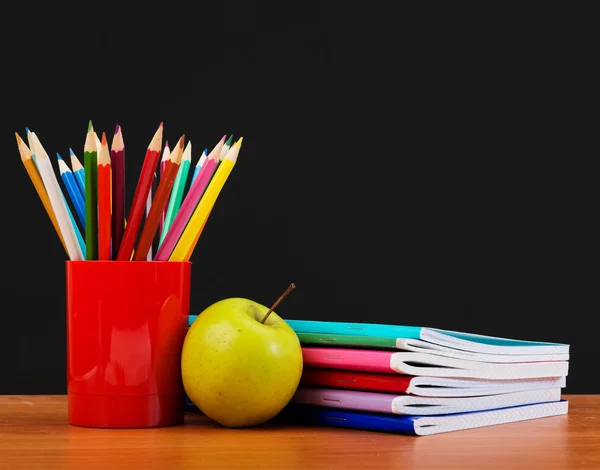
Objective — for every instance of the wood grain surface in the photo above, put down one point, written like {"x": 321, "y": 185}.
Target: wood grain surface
{"x": 34, "y": 433}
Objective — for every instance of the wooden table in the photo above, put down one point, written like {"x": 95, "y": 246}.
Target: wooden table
{"x": 34, "y": 433}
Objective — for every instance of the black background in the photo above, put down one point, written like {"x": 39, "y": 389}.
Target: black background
{"x": 410, "y": 167}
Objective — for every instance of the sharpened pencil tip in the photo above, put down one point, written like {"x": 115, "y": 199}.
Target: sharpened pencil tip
{"x": 58, "y": 156}
{"x": 104, "y": 139}
{"x": 117, "y": 129}
{"x": 228, "y": 143}
{"x": 205, "y": 152}
{"x": 166, "y": 144}
{"x": 90, "y": 127}
{"x": 160, "y": 125}
{"x": 19, "y": 140}
{"x": 27, "y": 131}
{"x": 239, "y": 142}
{"x": 71, "y": 152}
{"x": 223, "y": 138}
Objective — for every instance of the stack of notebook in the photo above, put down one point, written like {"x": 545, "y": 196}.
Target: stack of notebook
{"x": 417, "y": 380}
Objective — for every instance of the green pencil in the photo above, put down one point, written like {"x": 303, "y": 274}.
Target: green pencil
{"x": 90, "y": 155}
{"x": 177, "y": 191}
{"x": 226, "y": 147}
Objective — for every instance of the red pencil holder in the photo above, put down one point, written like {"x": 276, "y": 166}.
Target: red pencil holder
{"x": 126, "y": 322}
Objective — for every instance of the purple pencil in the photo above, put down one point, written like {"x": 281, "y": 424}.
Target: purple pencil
{"x": 153, "y": 190}
{"x": 117, "y": 158}
{"x": 189, "y": 203}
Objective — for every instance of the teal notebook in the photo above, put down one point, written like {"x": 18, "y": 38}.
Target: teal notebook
{"x": 455, "y": 340}
{"x": 450, "y": 339}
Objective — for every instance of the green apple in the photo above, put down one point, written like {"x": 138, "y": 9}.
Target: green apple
{"x": 237, "y": 370}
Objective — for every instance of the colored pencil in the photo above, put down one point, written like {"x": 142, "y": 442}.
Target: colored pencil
{"x": 90, "y": 157}
{"x": 194, "y": 227}
{"x": 189, "y": 204}
{"x": 165, "y": 157}
{"x": 78, "y": 172}
{"x": 59, "y": 204}
{"x": 140, "y": 196}
{"x": 198, "y": 166}
{"x": 163, "y": 161}
{"x": 230, "y": 156}
{"x": 148, "y": 207}
{"x": 38, "y": 184}
{"x": 159, "y": 202}
{"x": 155, "y": 240}
{"x": 117, "y": 156}
{"x": 30, "y": 143}
{"x": 178, "y": 189}
{"x": 72, "y": 189}
{"x": 104, "y": 201}
{"x": 226, "y": 147}
{"x": 69, "y": 212}
{"x": 78, "y": 235}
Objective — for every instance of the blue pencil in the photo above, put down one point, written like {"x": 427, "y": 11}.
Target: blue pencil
{"x": 74, "y": 193}
{"x": 201, "y": 161}
{"x": 78, "y": 173}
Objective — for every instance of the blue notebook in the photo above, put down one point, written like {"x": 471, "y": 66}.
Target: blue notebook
{"x": 189, "y": 405}
{"x": 418, "y": 425}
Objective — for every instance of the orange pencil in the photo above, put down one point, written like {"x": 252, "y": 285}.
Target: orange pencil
{"x": 34, "y": 175}
{"x": 159, "y": 202}
{"x": 104, "y": 201}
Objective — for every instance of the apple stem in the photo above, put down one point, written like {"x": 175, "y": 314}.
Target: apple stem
{"x": 291, "y": 287}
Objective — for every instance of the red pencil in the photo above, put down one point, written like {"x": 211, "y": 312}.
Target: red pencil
{"x": 117, "y": 154}
{"x": 141, "y": 194}
{"x": 104, "y": 201}
{"x": 159, "y": 202}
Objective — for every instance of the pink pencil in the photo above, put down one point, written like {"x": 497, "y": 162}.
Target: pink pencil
{"x": 189, "y": 203}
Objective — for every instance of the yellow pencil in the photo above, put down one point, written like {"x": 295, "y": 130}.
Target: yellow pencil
{"x": 187, "y": 242}
{"x": 188, "y": 255}
{"x": 36, "y": 179}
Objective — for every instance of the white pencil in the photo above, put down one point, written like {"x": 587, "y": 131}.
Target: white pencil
{"x": 57, "y": 200}
{"x": 30, "y": 141}
{"x": 165, "y": 157}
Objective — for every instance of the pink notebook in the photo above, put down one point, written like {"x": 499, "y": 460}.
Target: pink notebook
{"x": 425, "y": 364}
{"x": 414, "y": 405}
